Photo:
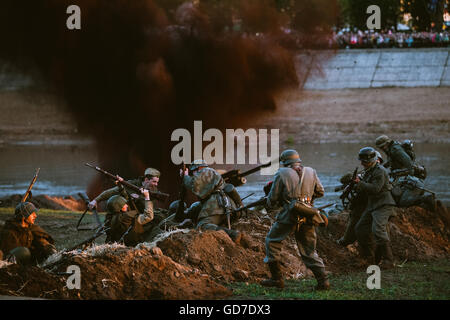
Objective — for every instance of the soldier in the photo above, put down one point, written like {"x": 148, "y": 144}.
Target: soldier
{"x": 380, "y": 207}
{"x": 292, "y": 182}
{"x": 409, "y": 188}
{"x": 149, "y": 181}
{"x": 216, "y": 205}
{"x": 23, "y": 240}
{"x": 356, "y": 207}
{"x": 129, "y": 225}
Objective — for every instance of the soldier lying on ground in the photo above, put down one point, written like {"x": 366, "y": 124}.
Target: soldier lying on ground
{"x": 22, "y": 240}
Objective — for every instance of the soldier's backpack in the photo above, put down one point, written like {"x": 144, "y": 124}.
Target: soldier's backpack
{"x": 419, "y": 170}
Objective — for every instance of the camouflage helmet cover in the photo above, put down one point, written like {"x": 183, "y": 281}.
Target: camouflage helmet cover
{"x": 25, "y": 209}
{"x": 152, "y": 172}
{"x": 115, "y": 204}
{"x": 21, "y": 255}
{"x": 289, "y": 156}
{"x": 382, "y": 140}
{"x": 197, "y": 164}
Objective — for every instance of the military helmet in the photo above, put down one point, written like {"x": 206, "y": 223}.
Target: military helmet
{"x": 173, "y": 207}
{"x": 289, "y": 156}
{"x": 115, "y": 204}
{"x": 25, "y": 209}
{"x": 152, "y": 172}
{"x": 367, "y": 154}
{"x": 21, "y": 255}
{"x": 379, "y": 157}
{"x": 381, "y": 141}
{"x": 197, "y": 164}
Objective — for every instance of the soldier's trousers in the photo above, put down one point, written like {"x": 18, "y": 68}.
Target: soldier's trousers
{"x": 212, "y": 222}
{"x": 350, "y": 235}
{"x": 374, "y": 222}
{"x": 306, "y": 242}
{"x": 410, "y": 197}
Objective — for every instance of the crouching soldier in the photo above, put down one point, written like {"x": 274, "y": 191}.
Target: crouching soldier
{"x": 294, "y": 182}
{"x": 128, "y": 225}
{"x": 23, "y": 241}
{"x": 380, "y": 207}
{"x": 215, "y": 207}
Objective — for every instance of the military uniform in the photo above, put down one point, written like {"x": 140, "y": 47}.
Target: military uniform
{"x": 210, "y": 213}
{"x": 131, "y": 225}
{"x": 287, "y": 186}
{"x": 33, "y": 237}
{"x": 407, "y": 190}
{"x": 380, "y": 206}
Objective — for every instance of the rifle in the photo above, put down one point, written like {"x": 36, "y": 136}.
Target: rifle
{"x": 100, "y": 231}
{"x": 180, "y": 209}
{"x": 155, "y": 194}
{"x": 25, "y": 196}
{"x": 94, "y": 211}
{"x": 251, "y": 205}
{"x": 348, "y": 190}
{"x": 236, "y": 178}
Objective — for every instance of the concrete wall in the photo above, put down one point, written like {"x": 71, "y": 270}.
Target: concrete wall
{"x": 375, "y": 68}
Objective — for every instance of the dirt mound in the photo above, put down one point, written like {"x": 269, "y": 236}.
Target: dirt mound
{"x": 197, "y": 265}
{"x": 119, "y": 273}
{"x": 47, "y": 202}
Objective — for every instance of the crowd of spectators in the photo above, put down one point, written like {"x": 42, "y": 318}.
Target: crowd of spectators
{"x": 347, "y": 39}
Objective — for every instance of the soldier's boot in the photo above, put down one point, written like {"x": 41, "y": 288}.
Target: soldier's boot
{"x": 367, "y": 254}
{"x": 378, "y": 254}
{"x": 235, "y": 235}
{"x": 387, "y": 261}
{"x": 277, "y": 279}
{"x": 322, "y": 279}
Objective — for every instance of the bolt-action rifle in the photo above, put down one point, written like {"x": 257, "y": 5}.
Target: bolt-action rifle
{"x": 155, "y": 194}
{"x": 28, "y": 193}
{"x": 349, "y": 192}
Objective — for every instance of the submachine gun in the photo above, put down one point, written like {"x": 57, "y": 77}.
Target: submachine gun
{"x": 28, "y": 192}
{"x": 348, "y": 193}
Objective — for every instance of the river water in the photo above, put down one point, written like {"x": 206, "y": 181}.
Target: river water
{"x": 62, "y": 169}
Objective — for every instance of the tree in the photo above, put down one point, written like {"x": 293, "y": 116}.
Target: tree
{"x": 426, "y": 14}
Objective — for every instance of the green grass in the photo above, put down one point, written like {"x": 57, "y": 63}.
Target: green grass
{"x": 415, "y": 280}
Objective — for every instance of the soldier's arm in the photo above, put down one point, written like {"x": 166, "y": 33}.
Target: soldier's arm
{"x": 105, "y": 195}
{"x": 275, "y": 192}
{"x": 148, "y": 214}
{"x": 319, "y": 190}
{"x": 8, "y": 242}
{"x": 373, "y": 187}
{"x": 42, "y": 239}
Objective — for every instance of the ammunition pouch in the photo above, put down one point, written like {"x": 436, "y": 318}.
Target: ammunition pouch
{"x": 304, "y": 210}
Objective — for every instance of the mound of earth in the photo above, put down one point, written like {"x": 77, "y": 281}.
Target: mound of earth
{"x": 47, "y": 202}
{"x": 198, "y": 265}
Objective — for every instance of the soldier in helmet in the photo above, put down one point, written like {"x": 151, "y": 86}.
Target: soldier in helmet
{"x": 380, "y": 207}
{"x": 128, "y": 224}
{"x": 24, "y": 241}
{"x": 293, "y": 181}
{"x": 356, "y": 207}
{"x": 408, "y": 187}
{"x": 215, "y": 206}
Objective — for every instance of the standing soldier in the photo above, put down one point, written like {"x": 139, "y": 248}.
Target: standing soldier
{"x": 293, "y": 182}
{"x": 215, "y": 207}
{"x": 409, "y": 187}
{"x": 380, "y": 207}
{"x": 24, "y": 240}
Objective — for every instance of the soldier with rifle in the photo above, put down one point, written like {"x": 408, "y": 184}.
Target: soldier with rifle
{"x": 408, "y": 186}
{"x": 216, "y": 202}
{"x": 133, "y": 191}
{"x": 21, "y": 240}
{"x": 295, "y": 185}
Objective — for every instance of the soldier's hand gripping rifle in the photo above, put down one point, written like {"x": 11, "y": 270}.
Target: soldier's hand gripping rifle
{"x": 28, "y": 193}
{"x": 349, "y": 192}
{"x": 155, "y": 194}
{"x": 236, "y": 178}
